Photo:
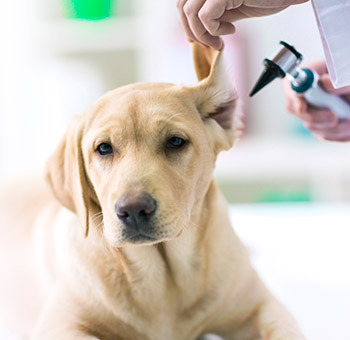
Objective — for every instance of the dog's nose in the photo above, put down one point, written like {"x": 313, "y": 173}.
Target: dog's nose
{"x": 135, "y": 210}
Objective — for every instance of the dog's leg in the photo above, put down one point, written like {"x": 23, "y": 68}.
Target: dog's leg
{"x": 270, "y": 321}
{"x": 61, "y": 319}
{"x": 275, "y": 322}
{"x": 65, "y": 317}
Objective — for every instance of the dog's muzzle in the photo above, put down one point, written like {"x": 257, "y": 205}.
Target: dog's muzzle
{"x": 136, "y": 212}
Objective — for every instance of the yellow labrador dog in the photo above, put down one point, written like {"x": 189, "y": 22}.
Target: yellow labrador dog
{"x": 143, "y": 248}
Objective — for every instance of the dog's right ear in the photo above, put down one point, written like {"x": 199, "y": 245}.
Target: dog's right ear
{"x": 215, "y": 97}
{"x": 65, "y": 173}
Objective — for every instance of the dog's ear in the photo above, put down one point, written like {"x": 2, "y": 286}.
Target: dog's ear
{"x": 215, "y": 97}
{"x": 65, "y": 173}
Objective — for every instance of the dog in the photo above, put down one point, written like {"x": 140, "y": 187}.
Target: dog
{"x": 138, "y": 243}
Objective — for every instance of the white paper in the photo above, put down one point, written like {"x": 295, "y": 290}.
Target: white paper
{"x": 333, "y": 18}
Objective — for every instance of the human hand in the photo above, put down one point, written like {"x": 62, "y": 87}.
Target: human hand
{"x": 204, "y": 21}
{"x": 324, "y": 124}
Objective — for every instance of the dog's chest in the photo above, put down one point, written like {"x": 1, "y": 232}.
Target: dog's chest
{"x": 177, "y": 314}
{"x": 169, "y": 298}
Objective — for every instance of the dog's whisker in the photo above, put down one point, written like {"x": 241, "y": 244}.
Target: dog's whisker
{"x": 97, "y": 217}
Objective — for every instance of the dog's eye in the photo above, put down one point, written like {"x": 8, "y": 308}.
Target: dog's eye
{"x": 104, "y": 149}
{"x": 175, "y": 143}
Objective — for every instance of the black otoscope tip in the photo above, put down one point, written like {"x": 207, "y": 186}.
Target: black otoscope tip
{"x": 266, "y": 78}
{"x": 271, "y": 72}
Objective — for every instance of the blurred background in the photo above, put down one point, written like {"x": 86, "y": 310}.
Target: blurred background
{"x": 59, "y": 56}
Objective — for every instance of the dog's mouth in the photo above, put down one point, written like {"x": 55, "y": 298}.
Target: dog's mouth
{"x": 141, "y": 239}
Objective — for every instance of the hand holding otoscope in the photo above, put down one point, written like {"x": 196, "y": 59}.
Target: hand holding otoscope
{"x": 327, "y": 114}
{"x": 323, "y": 123}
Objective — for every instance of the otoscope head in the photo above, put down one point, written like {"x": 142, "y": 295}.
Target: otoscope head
{"x": 284, "y": 61}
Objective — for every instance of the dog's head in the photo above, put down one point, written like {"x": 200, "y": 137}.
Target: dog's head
{"x": 142, "y": 157}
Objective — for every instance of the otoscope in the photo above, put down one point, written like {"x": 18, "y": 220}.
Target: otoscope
{"x": 285, "y": 62}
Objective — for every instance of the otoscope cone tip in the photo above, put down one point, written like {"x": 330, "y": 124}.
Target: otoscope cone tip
{"x": 254, "y": 91}
{"x": 266, "y": 78}
{"x": 271, "y": 72}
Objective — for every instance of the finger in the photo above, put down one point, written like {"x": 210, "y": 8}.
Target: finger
{"x": 319, "y": 119}
{"x": 224, "y": 28}
{"x": 339, "y": 133}
{"x": 211, "y": 13}
{"x": 200, "y": 33}
{"x": 183, "y": 21}
{"x": 186, "y": 28}
{"x": 208, "y": 40}
{"x": 296, "y": 105}
{"x": 191, "y": 9}
{"x": 217, "y": 27}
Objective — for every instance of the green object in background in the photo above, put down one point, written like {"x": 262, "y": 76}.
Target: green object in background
{"x": 90, "y": 9}
{"x": 276, "y": 195}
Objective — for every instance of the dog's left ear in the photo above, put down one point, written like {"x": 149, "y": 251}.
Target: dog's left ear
{"x": 66, "y": 175}
{"x": 215, "y": 97}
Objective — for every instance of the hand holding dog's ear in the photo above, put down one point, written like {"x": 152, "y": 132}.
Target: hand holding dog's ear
{"x": 204, "y": 21}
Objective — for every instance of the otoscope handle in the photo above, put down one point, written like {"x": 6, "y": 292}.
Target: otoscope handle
{"x": 319, "y": 98}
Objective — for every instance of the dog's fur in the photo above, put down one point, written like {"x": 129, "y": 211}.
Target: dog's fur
{"x": 186, "y": 273}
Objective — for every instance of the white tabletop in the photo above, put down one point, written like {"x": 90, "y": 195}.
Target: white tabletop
{"x": 302, "y": 252}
